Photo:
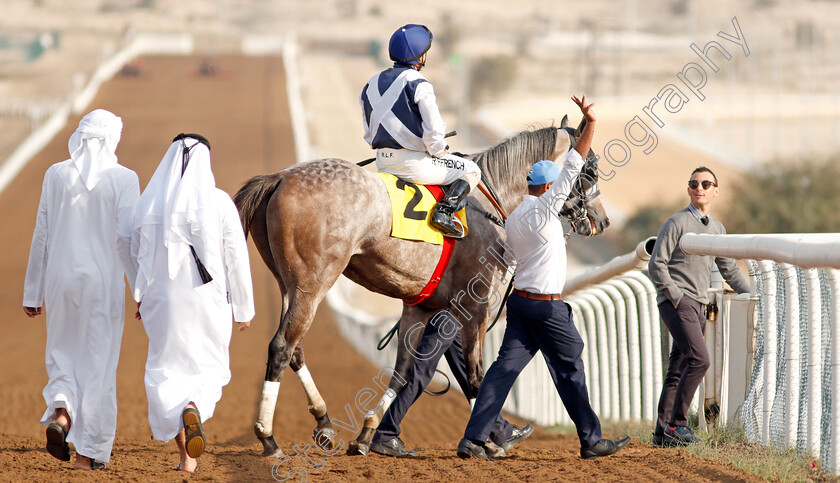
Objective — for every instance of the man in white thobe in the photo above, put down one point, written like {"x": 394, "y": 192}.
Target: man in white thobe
{"x": 192, "y": 272}
{"x": 80, "y": 250}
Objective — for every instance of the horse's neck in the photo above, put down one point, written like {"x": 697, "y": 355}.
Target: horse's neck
{"x": 514, "y": 159}
{"x": 510, "y": 195}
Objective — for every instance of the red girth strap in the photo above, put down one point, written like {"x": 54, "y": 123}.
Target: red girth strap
{"x": 445, "y": 256}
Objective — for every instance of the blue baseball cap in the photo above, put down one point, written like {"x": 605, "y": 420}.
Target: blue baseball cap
{"x": 543, "y": 172}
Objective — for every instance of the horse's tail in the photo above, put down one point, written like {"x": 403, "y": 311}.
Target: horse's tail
{"x": 252, "y": 194}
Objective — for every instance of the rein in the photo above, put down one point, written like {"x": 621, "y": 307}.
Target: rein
{"x": 485, "y": 188}
{"x": 492, "y": 198}
{"x": 386, "y": 339}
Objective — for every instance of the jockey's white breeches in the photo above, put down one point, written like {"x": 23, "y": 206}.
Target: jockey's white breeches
{"x": 420, "y": 167}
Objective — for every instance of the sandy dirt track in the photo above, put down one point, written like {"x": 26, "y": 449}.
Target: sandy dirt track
{"x": 243, "y": 112}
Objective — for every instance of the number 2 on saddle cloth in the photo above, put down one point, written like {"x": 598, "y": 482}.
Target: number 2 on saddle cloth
{"x": 411, "y": 210}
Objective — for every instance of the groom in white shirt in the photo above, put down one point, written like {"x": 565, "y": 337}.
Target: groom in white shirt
{"x": 537, "y": 317}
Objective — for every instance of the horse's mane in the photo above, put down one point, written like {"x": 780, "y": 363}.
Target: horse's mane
{"x": 512, "y": 154}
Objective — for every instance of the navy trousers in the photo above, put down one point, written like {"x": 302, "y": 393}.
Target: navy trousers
{"x": 422, "y": 372}
{"x": 546, "y": 326}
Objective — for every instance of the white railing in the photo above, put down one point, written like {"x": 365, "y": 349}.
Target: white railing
{"x": 794, "y": 387}
{"x": 614, "y": 309}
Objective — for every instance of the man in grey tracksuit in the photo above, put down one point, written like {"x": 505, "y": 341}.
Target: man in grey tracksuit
{"x": 682, "y": 283}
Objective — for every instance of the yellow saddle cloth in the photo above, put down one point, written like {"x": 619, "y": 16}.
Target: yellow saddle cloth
{"x": 411, "y": 210}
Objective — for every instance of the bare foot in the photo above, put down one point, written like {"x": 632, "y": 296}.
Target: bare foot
{"x": 82, "y": 462}
{"x": 62, "y": 418}
{"x": 187, "y": 463}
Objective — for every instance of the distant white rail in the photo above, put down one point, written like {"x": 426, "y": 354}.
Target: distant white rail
{"x": 143, "y": 44}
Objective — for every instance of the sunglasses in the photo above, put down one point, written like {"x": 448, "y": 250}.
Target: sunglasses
{"x": 693, "y": 184}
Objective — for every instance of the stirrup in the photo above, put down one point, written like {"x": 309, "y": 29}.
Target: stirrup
{"x": 455, "y": 228}
{"x": 459, "y": 226}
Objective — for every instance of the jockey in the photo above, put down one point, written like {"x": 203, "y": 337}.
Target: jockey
{"x": 403, "y": 123}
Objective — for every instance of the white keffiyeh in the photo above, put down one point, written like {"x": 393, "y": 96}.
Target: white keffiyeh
{"x": 183, "y": 204}
{"x": 92, "y": 147}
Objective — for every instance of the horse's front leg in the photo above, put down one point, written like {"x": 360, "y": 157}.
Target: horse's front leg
{"x": 324, "y": 434}
{"x": 412, "y": 324}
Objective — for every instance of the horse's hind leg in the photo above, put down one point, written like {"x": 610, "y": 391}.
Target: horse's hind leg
{"x": 296, "y": 322}
{"x": 279, "y": 354}
{"x": 323, "y": 434}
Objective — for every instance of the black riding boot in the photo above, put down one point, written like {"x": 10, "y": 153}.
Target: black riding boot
{"x": 444, "y": 211}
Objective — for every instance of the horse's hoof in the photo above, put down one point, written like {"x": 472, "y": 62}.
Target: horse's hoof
{"x": 324, "y": 438}
{"x": 270, "y": 448}
{"x": 356, "y": 448}
{"x": 278, "y": 453}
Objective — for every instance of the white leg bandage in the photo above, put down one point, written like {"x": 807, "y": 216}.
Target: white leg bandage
{"x": 265, "y": 419}
{"x": 383, "y": 405}
{"x": 317, "y": 406}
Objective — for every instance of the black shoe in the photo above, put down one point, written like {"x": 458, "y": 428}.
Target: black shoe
{"x": 468, "y": 449}
{"x": 443, "y": 214}
{"x": 518, "y": 435}
{"x": 662, "y": 441}
{"x": 392, "y": 447}
{"x": 682, "y": 435}
{"x": 605, "y": 447}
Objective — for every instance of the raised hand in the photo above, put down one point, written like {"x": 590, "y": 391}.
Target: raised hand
{"x": 587, "y": 110}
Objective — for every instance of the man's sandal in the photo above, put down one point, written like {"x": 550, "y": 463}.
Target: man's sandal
{"x": 194, "y": 432}
{"x": 57, "y": 442}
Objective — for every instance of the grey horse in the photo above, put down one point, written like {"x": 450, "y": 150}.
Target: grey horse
{"x": 317, "y": 220}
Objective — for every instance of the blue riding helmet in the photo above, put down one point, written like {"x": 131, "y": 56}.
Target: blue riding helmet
{"x": 409, "y": 43}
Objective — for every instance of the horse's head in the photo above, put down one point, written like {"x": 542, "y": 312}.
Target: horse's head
{"x": 583, "y": 209}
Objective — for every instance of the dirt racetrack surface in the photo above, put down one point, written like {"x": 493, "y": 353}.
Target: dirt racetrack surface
{"x": 243, "y": 111}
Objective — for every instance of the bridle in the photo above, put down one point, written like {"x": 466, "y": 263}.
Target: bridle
{"x": 574, "y": 209}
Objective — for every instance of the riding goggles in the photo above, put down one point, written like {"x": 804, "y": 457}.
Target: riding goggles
{"x": 693, "y": 184}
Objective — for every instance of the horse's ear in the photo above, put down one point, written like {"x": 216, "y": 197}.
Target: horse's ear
{"x": 565, "y": 121}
